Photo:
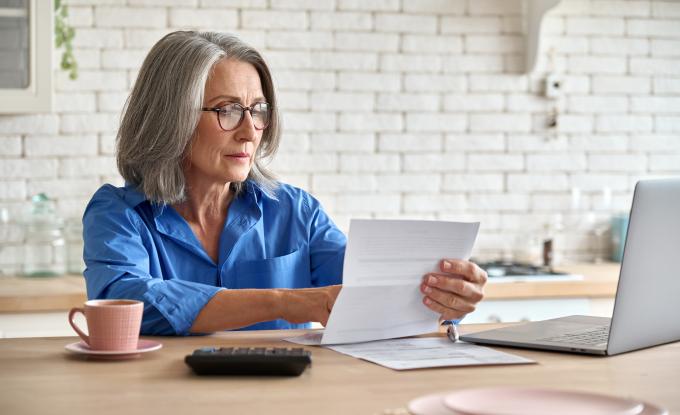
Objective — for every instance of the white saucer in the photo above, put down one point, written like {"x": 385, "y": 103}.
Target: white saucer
{"x": 440, "y": 403}
{"x": 142, "y": 347}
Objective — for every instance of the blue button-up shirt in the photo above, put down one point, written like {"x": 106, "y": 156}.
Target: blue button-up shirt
{"x": 140, "y": 250}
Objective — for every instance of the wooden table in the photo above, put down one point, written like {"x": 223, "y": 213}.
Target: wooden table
{"x": 38, "y": 376}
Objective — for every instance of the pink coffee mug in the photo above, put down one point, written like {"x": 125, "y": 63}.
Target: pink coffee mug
{"x": 111, "y": 324}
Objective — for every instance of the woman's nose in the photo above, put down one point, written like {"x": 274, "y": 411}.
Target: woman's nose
{"x": 247, "y": 131}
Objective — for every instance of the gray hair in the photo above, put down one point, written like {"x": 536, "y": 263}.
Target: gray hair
{"x": 162, "y": 113}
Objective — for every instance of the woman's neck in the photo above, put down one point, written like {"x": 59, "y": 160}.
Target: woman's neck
{"x": 205, "y": 202}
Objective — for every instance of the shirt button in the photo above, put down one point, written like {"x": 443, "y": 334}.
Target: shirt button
{"x": 160, "y": 298}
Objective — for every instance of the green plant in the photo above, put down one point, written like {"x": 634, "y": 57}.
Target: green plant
{"x": 64, "y": 35}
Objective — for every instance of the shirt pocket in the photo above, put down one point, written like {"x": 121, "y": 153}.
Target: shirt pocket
{"x": 288, "y": 271}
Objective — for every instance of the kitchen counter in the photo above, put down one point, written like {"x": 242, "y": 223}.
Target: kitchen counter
{"x": 20, "y": 294}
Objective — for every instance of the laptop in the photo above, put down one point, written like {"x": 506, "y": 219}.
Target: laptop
{"x": 646, "y": 307}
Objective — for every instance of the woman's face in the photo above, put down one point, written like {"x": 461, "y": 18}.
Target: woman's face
{"x": 226, "y": 156}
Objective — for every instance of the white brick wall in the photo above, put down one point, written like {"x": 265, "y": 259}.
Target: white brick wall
{"x": 395, "y": 108}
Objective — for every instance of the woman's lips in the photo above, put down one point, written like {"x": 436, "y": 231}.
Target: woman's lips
{"x": 239, "y": 157}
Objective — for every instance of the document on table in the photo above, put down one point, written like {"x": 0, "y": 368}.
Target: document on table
{"x": 385, "y": 262}
{"x": 418, "y": 353}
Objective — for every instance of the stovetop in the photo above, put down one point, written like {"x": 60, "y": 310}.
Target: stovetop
{"x": 505, "y": 271}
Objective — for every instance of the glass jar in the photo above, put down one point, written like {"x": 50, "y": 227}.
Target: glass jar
{"x": 44, "y": 244}
{"x": 74, "y": 246}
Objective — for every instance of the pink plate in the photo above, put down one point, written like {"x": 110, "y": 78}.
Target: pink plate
{"x": 142, "y": 347}
{"x": 429, "y": 405}
{"x": 535, "y": 401}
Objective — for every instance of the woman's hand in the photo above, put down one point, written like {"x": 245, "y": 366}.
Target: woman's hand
{"x": 456, "y": 290}
{"x": 308, "y": 304}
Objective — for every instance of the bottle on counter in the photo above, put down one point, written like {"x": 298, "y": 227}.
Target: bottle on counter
{"x": 44, "y": 244}
{"x": 74, "y": 246}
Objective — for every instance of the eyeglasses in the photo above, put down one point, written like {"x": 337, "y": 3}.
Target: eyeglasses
{"x": 230, "y": 116}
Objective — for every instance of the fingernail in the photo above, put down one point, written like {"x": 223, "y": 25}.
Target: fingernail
{"x": 447, "y": 265}
{"x": 427, "y": 301}
{"x": 432, "y": 280}
{"x": 427, "y": 289}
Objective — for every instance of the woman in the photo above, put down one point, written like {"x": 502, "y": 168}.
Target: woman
{"x": 201, "y": 232}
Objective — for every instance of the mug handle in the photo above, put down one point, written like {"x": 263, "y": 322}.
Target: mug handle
{"x": 71, "y": 314}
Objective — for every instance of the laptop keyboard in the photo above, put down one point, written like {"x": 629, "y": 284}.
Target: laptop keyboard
{"x": 591, "y": 337}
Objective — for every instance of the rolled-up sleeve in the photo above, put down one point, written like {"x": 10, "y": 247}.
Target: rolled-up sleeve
{"x": 326, "y": 246}
{"x": 121, "y": 262}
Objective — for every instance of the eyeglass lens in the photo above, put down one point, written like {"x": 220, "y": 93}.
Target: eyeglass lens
{"x": 231, "y": 115}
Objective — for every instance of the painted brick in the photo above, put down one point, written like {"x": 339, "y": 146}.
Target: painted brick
{"x": 12, "y": 190}
{"x": 304, "y": 80}
{"x": 665, "y": 47}
{"x": 440, "y": 7}
{"x": 435, "y": 122}
{"x": 410, "y": 63}
{"x": 495, "y": 7}
{"x": 280, "y": 39}
{"x": 600, "y": 143}
{"x": 294, "y": 143}
{"x": 500, "y": 122}
{"x": 624, "y": 123}
{"x": 512, "y": 24}
{"x": 298, "y": 180}
{"x": 303, "y": 4}
{"x": 533, "y": 143}
{"x": 87, "y": 166}
{"x": 596, "y": 104}
{"x": 595, "y": 26}
{"x": 595, "y": 182}
{"x": 621, "y": 84}
{"x": 434, "y": 83}
{"x": 341, "y": 21}
{"x": 666, "y": 86}
{"x": 407, "y": 102}
{"x": 305, "y": 163}
{"x": 342, "y": 101}
{"x": 89, "y": 123}
{"x": 649, "y": 142}
{"x": 75, "y": 102}
{"x": 382, "y": 203}
{"x": 597, "y": 64}
{"x": 527, "y": 102}
{"x": 499, "y": 202}
{"x": 142, "y": 38}
{"x": 16, "y": 168}
{"x": 370, "y": 122}
{"x": 495, "y": 162}
{"x": 166, "y": 3}
{"x": 474, "y": 102}
{"x": 617, "y": 163}
{"x": 654, "y": 66}
{"x": 619, "y": 46}
{"x": 10, "y": 146}
{"x": 92, "y": 81}
{"x": 393, "y": 22}
{"x": 556, "y": 162}
{"x": 476, "y": 142}
{"x": 111, "y": 101}
{"x": 351, "y": 61}
{"x": 314, "y": 121}
{"x": 379, "y": 42}
{"x": 293, "y": 100}
{"x": 98, "y": 38}
{"x": 620, "y": 8}
{"x": 432, "y": 44}
{"x": 473, "y": 64}
{"x": 202, "y": 19}
{"x": 64, "y": 187}
{"x": 249, "y": 4}
{"x": 652, "y": 28}
{"x": 434, "y": 203}
{"x": 345, "y": 143}
{"x": 288, "y": 60}
{"x": 537, "y": 182}
{"x": 577, "y": 84}
{"x": 665, "y": 9}
{"x": 667, "y": 124}
{"x": 341, "y": 183}
{"x": 255, "y": 19}
{"x": 409, "y": 183}
{"x": 434, "y": 162}
{"x": 466, "y": 182}
{"x": 495, "y": 83}
{"x": 123, "y": 59}
{"x": 471, "y": 25}
{"x": 107, "y": 144}
{"x": 656, "y": 105}
{"x": 494, "y": 44}
{"x": 573, "y": 45}
{"x": 367, "y": 81}
{"x": 130, "y": 17}
{"x": 39, "y": 146}
{"x": 369, "y": 163}
{"x": 80, "y": 16}
{"x": 370, "y": 5}
{"x": 665, "y": 162}
{"x": 29, "y": 124}
{"x": 570, "y": 123}
{"x": 411, "y": 143}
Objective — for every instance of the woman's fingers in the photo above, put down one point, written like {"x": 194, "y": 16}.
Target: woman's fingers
{"x": 466, "y": 269}
{"x": 453, "y": 285}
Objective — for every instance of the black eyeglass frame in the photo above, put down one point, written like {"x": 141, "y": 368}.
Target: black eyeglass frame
{"x": 217, "y": 111}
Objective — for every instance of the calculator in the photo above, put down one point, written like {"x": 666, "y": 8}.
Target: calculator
{"x": 257, "y": 361}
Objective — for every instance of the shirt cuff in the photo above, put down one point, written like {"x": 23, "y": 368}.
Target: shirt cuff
{"x": 180, "y": 302}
